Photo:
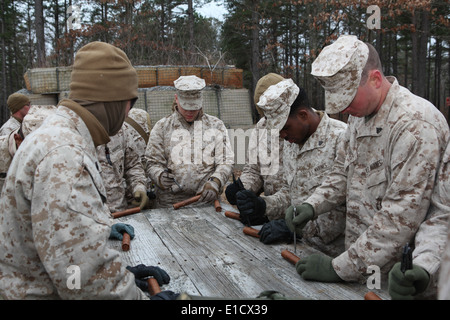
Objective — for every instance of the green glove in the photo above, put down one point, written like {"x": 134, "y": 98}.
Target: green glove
{"x": 317, "y": 267}
{"x": 405, "y": 286}
{"x": 305, "y": 212}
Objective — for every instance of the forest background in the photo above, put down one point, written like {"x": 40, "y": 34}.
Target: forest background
{"x": 412, "y": 37}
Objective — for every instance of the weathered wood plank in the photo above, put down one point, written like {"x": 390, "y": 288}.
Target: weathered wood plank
{"x": 207, "y": 254}
{"x": 271, "y": 256}
{"x": 203, "y": 253}
{"x": 147, "y": 248}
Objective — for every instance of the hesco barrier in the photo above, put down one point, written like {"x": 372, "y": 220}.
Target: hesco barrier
{"x": 224, "y": 96}
{"x": 47, "y": 80}
{"x": 153, "y": 76}
{"x": 41, "y": 99}
{"x": 232, "y": 106}
{"x": 53, "y": 80}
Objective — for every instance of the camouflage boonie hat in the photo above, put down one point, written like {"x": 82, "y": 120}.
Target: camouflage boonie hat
{"x": 189, "y": 92}
{"x": 276, "y": 103}
{"x": 338, "y": 68}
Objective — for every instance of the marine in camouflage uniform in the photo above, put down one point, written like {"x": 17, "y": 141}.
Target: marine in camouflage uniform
{"x": 5, "y": 158}
{"x": 9, "y": 143}
{"x": 430, "y": 247}
{"x": 309, "y": 154}
{"x": 189, "y": 152}
{"x": 385, "y": 170}
{"x": 305, "y": 167}
{"x": 18, "y": 105}
{"x": 265, "y": 178}
{"x": 266, "y": 174}
{"x": 52, "y": 208}
{"x": 139, "y": 119}
{"x": 440, "y": 202}
{"x": 265, "y": 144}
{"x": 122, "y": 170}
{"x": 9, "y": 126}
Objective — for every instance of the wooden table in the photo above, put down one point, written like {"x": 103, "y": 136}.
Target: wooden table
{"x": 207, "y": 254}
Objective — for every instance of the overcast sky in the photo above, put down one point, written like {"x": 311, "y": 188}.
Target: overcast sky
{"x": 212, "y": 10}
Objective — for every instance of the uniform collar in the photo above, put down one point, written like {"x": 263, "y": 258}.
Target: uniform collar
{"x": 319, "y": 137}
{"x": 375, "y": 125}
{"x": 17, "y": 119}
{"x": 66, "y": 109}
{"x": 184, "y": 122}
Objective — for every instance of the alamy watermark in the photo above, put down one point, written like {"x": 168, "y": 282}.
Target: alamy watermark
{"x": 374, "y": 280}
{"x": 74, "y": 279}
{"x": 74, "y": 20}
{"x": 374, "y": 21}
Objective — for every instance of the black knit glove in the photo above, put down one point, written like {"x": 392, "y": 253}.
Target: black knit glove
{"x": 251, "y": 207}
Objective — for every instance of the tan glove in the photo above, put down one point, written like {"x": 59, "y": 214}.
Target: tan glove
{"x": 166, "y": 180}
{"x": 140, "y": 199}
{"x": 210, "y": 190}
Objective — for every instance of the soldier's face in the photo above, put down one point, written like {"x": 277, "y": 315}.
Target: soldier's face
{"x": 367, "y": 98}
{"x": 296, "y": 128}
{"x": 188, "y": 115}
{"x": 24, "y": 110}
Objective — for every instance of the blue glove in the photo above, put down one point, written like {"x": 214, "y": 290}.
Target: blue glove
{"x": 118, "y": 229}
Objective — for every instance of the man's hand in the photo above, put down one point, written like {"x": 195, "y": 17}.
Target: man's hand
{"x": 233, "y": 189}
{"x": 317, "y": 267}
{"x": 140, "y": 199}
{"x": 166, "y": 180}
{"x": 165, "y": 295}
{"x": 403, "y": 286}
{"x": 210, "y": 190}
{"x": 274, "y": 231}
{"x": 305, "y": 212}
{"x": 118, "y": 229}
{"x": 142, "y": 272}
{"x": 252, "y": 208}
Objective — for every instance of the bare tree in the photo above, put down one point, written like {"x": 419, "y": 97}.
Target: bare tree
{"x": 190, "y": 12}
{"x": 255, "y": 61}
{"x": 40, "y": 39}
{"x": 420, "y": 48}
